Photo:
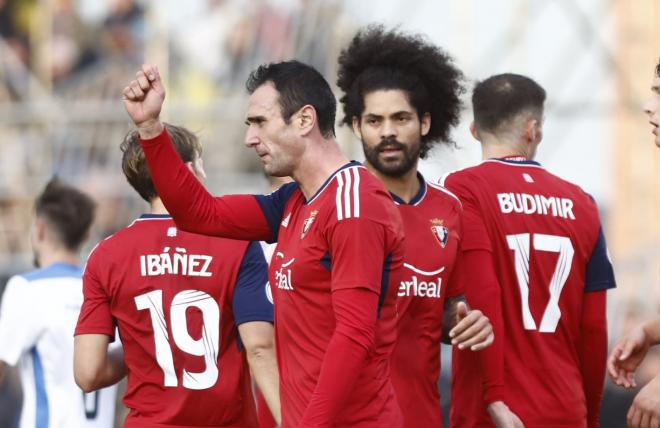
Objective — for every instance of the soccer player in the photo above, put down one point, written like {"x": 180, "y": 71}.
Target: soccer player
{"x": 339, "y": 237}
{"x": 542, "y": 278}
{"x": 402, "y": 95}
{"x": 189, "y": 310}
{"x": 630, "y": 351}
{"x": 38, "y": 316}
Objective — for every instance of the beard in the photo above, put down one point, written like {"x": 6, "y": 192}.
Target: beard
{"x": 392, "y": 167}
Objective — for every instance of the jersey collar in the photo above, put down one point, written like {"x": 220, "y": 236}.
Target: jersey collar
{"x": 325, "y": 184}
{"x": 147, "y": 216}
{"x": 418, "y": 197}
{"x": 516, "y": 160}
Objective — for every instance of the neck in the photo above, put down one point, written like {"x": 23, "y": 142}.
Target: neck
{"x": 405, "y": 186}
{"x": 58, "y": 256}
{"x": 156, "y": 207}
{"x": 492, "y": 147}
{"x": 321, "y": 159}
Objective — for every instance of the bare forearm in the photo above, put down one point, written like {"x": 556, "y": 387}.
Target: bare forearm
{"x": 108, "y": 369}
{"x": 652, "y": 330}
{"x": 264, "y": 369}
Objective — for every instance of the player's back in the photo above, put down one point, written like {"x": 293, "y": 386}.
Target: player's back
{"x": 542, "y": 231}
{"x": 171, "y": 295}
{"x": 49, "y": 300}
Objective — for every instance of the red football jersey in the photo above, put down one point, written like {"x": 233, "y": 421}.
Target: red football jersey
{"x": 177, "y": 299}
{"x": 546, "y": 241}
{"x": 313, "y": 258}
{"x": 432, "y": 223}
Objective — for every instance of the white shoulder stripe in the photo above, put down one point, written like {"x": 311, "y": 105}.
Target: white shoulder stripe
{"x": 444, "y": 189}
{"x": 356, "y": 192}
{"x": 348, "y": 193}
{"x": 340, "y": 188}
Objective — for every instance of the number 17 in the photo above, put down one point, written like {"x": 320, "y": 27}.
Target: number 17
{"x": 557, "y": 244}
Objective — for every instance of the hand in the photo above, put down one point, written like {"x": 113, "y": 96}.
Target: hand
{"x": 503, "y": 417}
{"x": 645, "y": 409}
{"x": 143, "y": 100}
{"x": 626, "y": 356}
{"x": 472, "y": 329}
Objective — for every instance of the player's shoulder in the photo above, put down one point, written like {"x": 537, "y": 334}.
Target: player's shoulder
{"x": 460, "y": 175}
{"x": 53, "y": 271}
{"x": 440, "y": 192}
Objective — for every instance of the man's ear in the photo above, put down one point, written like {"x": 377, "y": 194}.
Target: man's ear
{"x": 532, "y": 131}
{"x": 356, "y": 127}
{"x": 425, "y": 121}
{"x": 306, "y": 119}
{"x": 40, "y": 228}
{"x": 474, "y": 131}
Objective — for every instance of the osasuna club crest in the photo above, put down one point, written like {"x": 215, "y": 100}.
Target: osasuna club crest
{"x": 308, "y": 223}
{"x": 440, "y": 232}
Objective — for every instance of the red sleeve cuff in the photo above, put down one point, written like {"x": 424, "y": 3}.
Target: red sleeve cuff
{"x": 161, "y": 138}
{"x": 494, "y": 393}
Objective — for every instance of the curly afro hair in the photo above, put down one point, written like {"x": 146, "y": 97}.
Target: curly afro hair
{"x": 378, "y": 59}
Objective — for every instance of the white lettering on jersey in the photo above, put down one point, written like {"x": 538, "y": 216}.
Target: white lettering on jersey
{"x": 283, "y": 276}
{"x": 175, "y": 263}
{"x": 523, "y": 203}
{"x": 416, "y": 288}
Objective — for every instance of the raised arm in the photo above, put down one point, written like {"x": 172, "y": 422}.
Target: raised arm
{"x": 191, "y": 206}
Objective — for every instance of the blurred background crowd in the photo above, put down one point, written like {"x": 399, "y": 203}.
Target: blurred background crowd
{"x": 63, "y": 64}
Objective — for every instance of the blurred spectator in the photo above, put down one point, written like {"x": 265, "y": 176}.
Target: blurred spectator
{"x": 124, "y": 31}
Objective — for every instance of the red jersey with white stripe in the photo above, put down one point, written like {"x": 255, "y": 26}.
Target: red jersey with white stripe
{"x": 432, "y": 223}
{"x": 177, "y": 299}
{"x": 547, "y": 246}
{"x": 311, "y": 260}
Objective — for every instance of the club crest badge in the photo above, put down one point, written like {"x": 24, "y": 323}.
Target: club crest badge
{"x": 307, "y": 224}
{"x": 440, "y": 232}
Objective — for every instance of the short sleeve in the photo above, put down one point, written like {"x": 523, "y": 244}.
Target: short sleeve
{"x": 95, "y": 315}
{"x": 357, "y": 254}
{"x": 273, "y": 205}
{"x": 253, "y": 299}
{"x": 600, "y": 274}
{"x": 475, "y": 234}
{"x": 19, "y": 323}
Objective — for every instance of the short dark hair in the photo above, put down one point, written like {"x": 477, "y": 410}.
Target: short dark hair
{"x": 377, "y": 59}
{"x": 134, "y": 163}
{"x": 298, "y": 85}
{"x": 67, "y": 211}
{"x": 503, "y": 97}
